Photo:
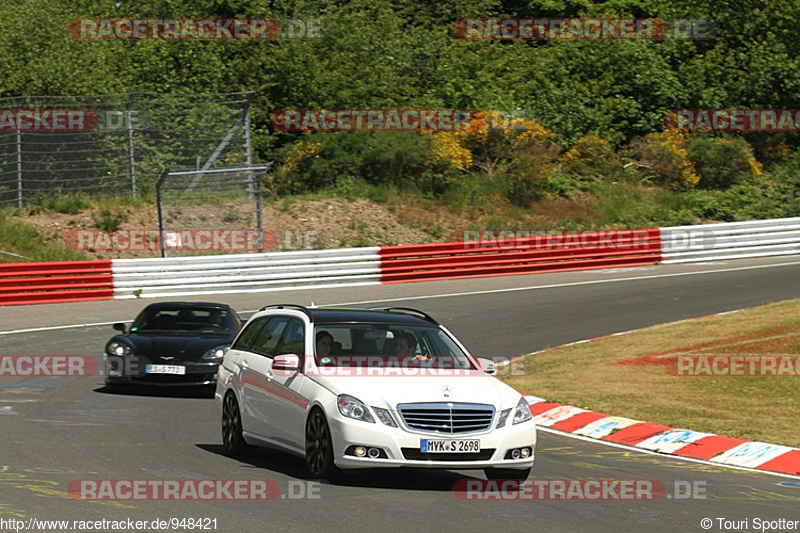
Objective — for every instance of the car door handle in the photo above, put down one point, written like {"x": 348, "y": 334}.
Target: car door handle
{"x": 270, "y": 375}
{"x": 244, "y": 364}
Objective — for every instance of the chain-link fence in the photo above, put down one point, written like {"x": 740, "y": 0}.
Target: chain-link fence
{"x": 188, "y": 227}
{"x": 119, "y": 145}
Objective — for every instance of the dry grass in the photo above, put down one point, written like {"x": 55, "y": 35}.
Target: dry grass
{"x": 628, "y": 375}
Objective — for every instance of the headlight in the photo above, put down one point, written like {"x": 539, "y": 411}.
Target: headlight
{"x": 522, "y": 413}
{"x": 117, "y": 348}
{"x": 385, "y": 416}
{"x": 354, "y": 408}
{"x": 215, "y": 354}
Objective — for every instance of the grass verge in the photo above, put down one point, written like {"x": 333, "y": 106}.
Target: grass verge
{"x": 23, "y": 240}
{"x": 628, "y": 375}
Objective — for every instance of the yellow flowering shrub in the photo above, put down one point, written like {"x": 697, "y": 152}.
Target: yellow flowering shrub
{"x": 665, "y": 154}
{"x": 591, "y": 155}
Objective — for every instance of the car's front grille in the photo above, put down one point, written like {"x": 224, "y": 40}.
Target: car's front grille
{"x": 414, "y": 454}
{"x": 447, "y": 418}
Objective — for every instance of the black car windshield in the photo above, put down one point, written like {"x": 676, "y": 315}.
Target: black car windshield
{"x": 385, "y": 344}
{"x": 193, "y": 321}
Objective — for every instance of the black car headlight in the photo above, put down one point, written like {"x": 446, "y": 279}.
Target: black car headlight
{"x": 214, "y": 354}
{"x": 522, "y": 412}
{"x": 118, "y": 348}
{"x": 354, "y": 408}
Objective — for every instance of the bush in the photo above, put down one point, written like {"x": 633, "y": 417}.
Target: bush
{"x": 591, "y": 156}
{"x": 530, "y": 175}
{"x": 665, "y": 157}
{"x": 67, "y": 204}
{"x": 720, "y": 161}
{"x": 109, "y": 220}
{"x": 381, "y": 158}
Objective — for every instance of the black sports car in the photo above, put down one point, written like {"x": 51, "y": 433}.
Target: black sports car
{"x": 171, "y": 343}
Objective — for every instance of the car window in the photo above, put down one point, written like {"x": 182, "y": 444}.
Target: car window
{"x": 245, "y": 340}
{"x": 206, "y": 321}
{"x": 269, "y": 337}
{"x": 365, "y": 339}
{"x": 293, "y": 340}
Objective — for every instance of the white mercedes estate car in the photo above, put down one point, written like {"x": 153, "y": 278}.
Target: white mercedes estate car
{"x": 356, "y": 388}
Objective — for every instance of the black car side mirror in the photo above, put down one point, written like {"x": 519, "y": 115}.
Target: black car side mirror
{"x": 119, "y": 326}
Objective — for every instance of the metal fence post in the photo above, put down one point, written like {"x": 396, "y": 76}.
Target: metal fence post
{"x": 131, "y": 159}
{"x": 19, "y": 159}
{"x": 259, "y": 214}
{"x": 248, "y": 151}
{"x": 160, "y": 215}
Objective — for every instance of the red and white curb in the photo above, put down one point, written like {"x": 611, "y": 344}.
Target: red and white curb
{"x": 664, "y": 439}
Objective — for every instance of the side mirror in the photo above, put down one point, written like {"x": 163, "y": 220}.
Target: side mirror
{"x": 119, "y": 326}
{"x": 488, "y": 366}
{"x": 286, "y": 364}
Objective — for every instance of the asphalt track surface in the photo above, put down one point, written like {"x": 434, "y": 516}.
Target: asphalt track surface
{"x": 55, "y": 430}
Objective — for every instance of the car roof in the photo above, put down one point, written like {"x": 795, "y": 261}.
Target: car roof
{"x": 160, "y": 305}
{"x": 404, "y": 316}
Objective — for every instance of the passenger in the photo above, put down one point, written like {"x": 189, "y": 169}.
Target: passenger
{"x": 324, "y": 343}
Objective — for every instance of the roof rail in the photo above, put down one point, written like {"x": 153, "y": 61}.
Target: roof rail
{"x": 410, "y": 311}
{"x": 302, "y": 308}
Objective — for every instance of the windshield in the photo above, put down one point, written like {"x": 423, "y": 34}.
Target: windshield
{"x": 206, "y": 321}
{"x": 377, "y": 345}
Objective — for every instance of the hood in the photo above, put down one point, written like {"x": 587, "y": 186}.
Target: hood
{"x": 182, "y": 348}
{"x": 388, "y": 391}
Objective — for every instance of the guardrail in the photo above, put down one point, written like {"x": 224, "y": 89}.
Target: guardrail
{"x": 424, "y": 262}
{"x": 27, "y": 283}
{"x": 185, "y": 276}
{"x": 735, "y": 240}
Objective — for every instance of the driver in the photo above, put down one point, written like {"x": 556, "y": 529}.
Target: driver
{"x": 215, "y": 317}
{"x": 407, "y": 345}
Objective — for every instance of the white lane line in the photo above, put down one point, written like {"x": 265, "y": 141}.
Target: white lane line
{"x": 650, "y": 452}
{"x": 453, "y": 294}
{"x": 570, "y": 284}
{"x": 53, "y": 328}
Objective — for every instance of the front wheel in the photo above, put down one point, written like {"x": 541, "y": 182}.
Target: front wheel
{"x": 507, "y": 473}
{"x": 232, "y": 438}
{"x": 319, "y": 448}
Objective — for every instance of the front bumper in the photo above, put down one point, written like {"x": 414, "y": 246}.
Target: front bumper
{"x": 131, "y": 370}
{"x": 402, "y": 447}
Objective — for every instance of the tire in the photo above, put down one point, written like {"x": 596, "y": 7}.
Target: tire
{"x": 232, "y": 439}
{"x": 507, "y": 473}
{"x": 319, "y": 448}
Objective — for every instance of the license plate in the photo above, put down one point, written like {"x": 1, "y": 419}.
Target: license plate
{"x": 165, "y": 369}
{"x": 449, "y": 446}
